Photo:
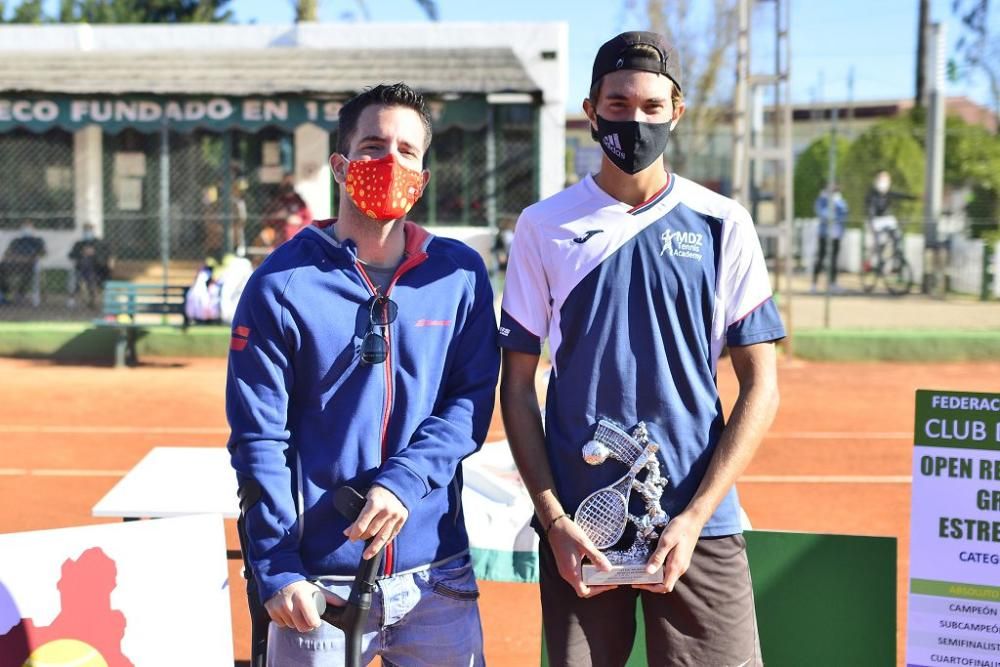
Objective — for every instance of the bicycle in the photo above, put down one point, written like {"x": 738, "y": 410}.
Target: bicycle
{"x": 887, "y": 261}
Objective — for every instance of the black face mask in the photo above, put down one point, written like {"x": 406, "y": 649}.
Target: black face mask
{"x": 630, "y": 145}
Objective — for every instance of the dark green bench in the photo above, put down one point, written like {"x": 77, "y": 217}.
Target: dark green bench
{"x": 131, "y": 307}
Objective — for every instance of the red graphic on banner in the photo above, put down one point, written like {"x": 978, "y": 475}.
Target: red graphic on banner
{"x": 85, "y": 615}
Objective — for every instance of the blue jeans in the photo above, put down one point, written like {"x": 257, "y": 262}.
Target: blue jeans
{"x": 424, "y": 619}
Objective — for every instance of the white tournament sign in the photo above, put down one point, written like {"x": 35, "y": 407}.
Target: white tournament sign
{"x": 954, "y": 601}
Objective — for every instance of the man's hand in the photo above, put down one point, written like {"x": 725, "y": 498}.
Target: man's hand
{"x": 569, "y": 546}
{"x": 293, "y": 607}
{"x": 673, "y": 552}
{"x": 382, "y": 517}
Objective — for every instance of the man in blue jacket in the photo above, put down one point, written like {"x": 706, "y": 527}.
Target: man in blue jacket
{"x": 363, "y": 355}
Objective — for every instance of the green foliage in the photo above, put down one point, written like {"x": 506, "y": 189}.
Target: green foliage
{"x": 892, "y": 145}
{"x": 971, "y": 155}
{"x": 983, "y": 213}
{"x": 124, "y": 11}
{"x": 812, "y": 169}
{"x": 972, "y": 159}
{"x": 29, "y": 11}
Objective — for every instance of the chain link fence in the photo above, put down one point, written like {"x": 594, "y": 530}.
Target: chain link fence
{"x": 70, "y": 219}
{"x": 953, "y": 254}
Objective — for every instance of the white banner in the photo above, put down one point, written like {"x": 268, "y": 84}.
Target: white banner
{"x": 954, "y": 601}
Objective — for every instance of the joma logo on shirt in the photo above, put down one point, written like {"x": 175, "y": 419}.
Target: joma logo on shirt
{"x": 681, "y": 244}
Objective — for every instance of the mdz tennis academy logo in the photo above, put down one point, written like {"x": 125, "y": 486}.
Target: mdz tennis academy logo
{"x": 682, "y": 244}
{"x": 612, "y": 143}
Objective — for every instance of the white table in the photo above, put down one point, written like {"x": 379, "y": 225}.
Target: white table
{"x": 174, "y": 481}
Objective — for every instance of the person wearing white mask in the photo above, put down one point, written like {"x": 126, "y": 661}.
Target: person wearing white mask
{"x": 879, "y": 202}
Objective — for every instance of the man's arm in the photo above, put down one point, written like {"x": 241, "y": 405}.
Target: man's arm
{"x": 523, "y": 423}
{"x": 752, "y": 414}
{"x": 261, "y": 376}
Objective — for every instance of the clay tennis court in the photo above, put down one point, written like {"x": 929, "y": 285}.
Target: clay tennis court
{"x": 837, "y": 459}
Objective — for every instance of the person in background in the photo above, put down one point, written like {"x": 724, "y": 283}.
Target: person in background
{"x": 831, "y": 209}
{"x": 19, "y": 265}
{"x": 287, "y": 213}
{"x": 92, "y": 263}
{"x": 239, "y": 213}
{"x": 212, "y": 223}
{"x": 879, "y": 203}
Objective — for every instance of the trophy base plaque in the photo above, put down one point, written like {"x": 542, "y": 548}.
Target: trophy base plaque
{"x": 628, "y": 566}
{"x": 621, "y": 575}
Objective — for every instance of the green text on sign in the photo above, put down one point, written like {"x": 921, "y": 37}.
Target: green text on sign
{"x": 950, "y": 589}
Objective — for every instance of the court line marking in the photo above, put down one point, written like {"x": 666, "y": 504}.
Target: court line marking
{"x": 825, "y": 479}
{"x": 59, "y": 472}
{"x": 127, "y": 430}
{"x": 841, "y": 435}
{"x": 208, "y": 430}
{"x": 746, "y": 479}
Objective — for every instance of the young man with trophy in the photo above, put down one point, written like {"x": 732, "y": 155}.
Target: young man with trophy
{"x": 639, "y": 278}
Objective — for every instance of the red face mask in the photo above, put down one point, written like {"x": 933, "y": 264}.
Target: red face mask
{"x": 383, "y": 189}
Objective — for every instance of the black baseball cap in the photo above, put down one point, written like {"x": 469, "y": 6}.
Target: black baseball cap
{"x": 613, "y": 56}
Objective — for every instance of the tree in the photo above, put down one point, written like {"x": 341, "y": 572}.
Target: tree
{"x": 308, "y": 10}
{"x": 971, "y": 155}
{"x": 812, "y": 169}
{"x": 29, "y": 11}
{"x": 125, "y": 11}
{"x": 977, "y": 48}
{"x": 708, "y": 53}
{"x": 891, "y": 145}
{"x": 972, "y": 160}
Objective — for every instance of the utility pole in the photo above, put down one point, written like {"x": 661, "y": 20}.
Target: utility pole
{"x": 751, "y": 151}
{"x": 923, "y": 17}
{"x": 934, "y": 174}
{"x": 849, "y": 129}
{"x": 831, "y": 215}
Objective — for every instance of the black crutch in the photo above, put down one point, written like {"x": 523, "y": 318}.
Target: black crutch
{"x": 352, "y": 617}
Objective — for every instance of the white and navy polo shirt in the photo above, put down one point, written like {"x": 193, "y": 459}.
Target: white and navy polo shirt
{"x": 637, "y": 304}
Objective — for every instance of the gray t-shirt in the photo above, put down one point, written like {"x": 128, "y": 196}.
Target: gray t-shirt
{"x": 380, "y": 275}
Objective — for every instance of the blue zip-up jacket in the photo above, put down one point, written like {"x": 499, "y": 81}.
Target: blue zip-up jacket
{"x": 308, "y": 417}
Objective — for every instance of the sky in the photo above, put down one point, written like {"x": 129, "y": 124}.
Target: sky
{"x": 875, "y": 37}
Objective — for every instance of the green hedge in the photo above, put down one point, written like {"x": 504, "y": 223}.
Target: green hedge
{"x": 896, "y": 345}
{"x": 81, "y": 341}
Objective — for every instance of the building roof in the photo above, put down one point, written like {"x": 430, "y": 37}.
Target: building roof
{"x": 270, "y": 71}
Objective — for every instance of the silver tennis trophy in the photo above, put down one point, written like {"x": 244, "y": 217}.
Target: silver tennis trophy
{"x": 604, "y": 514}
